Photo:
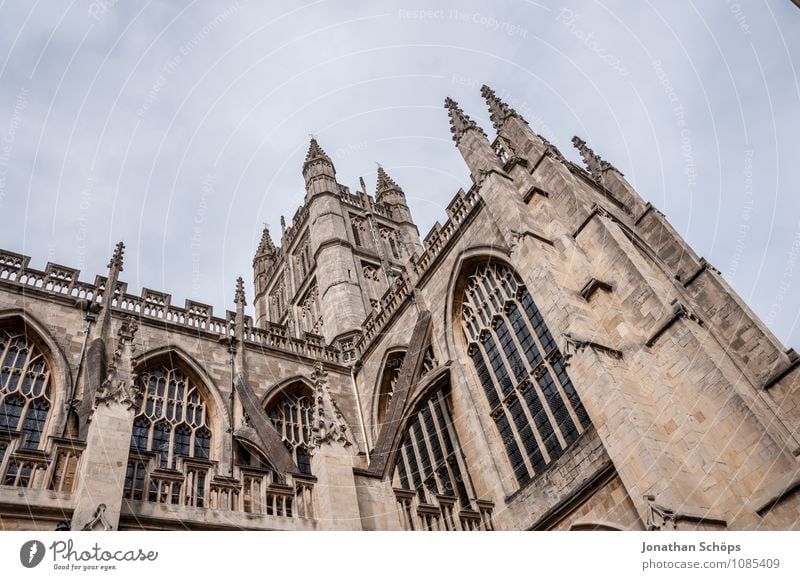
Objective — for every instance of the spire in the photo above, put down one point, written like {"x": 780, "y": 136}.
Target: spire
{"x": 594, "y": 163}
{"x": 265, "y": 246}
{"x": 117, "y": 257}
{"x": 318, "y": 171}
{"x": 498, "y": 110}
{"x": 386, "y": 185}
{"x": 315, "y": 152}
{"x": 239, "y": 297}
{"x": 460, "y": 123}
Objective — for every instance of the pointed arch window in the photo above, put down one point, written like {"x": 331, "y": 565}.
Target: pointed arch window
{"x": 534, "y": 405}
{"x": 172, "y": 417}
{"x": 431, "y": 481}
{"x": 25, "y": 387}
{"x": 291, "y": 414}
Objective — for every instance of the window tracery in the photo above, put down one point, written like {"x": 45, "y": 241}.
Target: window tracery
{"x": 431, "y": 481}
{"x": 390, "y": 240}
{"x": 310, "y": 317}
{"x": 534, "y": 405}
{"x": 292, "y": 415}
{"x": 172, "y": 423}
{"x": 429, "y": 361}
{"x": 25, "y": 387}
{"x": 359, "y": 231}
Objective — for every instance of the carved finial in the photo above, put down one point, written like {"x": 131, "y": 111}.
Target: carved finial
{"x": 265, "y": 246}
{"x": 283, "y": 225}
{"x": 119, "y": 384}
{"x": 460, "y": 122}
{"x": 328, "y": 424}
{"x": 498, "y": 110}
{"x": 117, "y": 256}
{"x": 127, "y": 330}
{"x": 239, "y": 296}
{"x": 594, "y": 163}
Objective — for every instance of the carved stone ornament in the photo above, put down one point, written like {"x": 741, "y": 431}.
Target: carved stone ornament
{"x": 572, "y": 345}
{"x": 119, "y": 385}
{"x": 659, "y": 518}
{"x": 328, "y": 425}
{"x": 98, "y": 523}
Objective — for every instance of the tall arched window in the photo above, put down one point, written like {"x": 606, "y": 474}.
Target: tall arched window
{"x": 25, "y": 387}
{"x": 535, "y": 407}
{"x": 430, "y": 477}
{"x": 291, "y": 414}
{"x": 172, "y": 417}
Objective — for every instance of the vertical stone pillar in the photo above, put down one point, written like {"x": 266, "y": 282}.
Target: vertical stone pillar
{"x": 335, "y": 497}
{"x": 98, "y": 497}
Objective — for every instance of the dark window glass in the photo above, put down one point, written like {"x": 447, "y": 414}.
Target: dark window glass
{"x": 520, "y": 370}
{"x": 11, "y": 411}
{"x": 34, "y": 422}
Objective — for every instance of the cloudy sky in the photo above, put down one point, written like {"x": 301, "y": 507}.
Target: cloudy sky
{"x": 180, "y": 127}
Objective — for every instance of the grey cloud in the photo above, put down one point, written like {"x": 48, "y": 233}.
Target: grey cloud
{"x": 159, "y": 98}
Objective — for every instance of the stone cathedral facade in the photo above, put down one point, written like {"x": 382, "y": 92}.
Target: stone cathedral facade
{"x": 553, "y": 356}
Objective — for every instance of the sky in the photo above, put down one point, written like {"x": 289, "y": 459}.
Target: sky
{"x": 181, "y": 127}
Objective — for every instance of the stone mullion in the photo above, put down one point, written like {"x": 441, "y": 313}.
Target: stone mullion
{"x": 457, "y": 453}
{"x": 443, "y": 447}
{"x": 524, "y": 405}
{"x": 534, "y": 384}
{"x": 559, "y": 387}
{"x": 423, "y": 477}
{"x": 429, "y": 446}
{"x": 418, "y": 457}
{"x": 407, "y": 466}
{"x": 503, "y": 408}
{"x": 412, "y": 511}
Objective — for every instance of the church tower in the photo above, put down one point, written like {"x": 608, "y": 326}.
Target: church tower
{"x": 337, "y": 258}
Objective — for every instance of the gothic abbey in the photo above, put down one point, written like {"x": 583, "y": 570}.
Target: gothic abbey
{"x": 554, "y": 356}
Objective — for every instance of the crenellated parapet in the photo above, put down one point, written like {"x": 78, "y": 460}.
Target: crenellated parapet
{"x": 458, "y": 210}
{"x": 153, "y": 307}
